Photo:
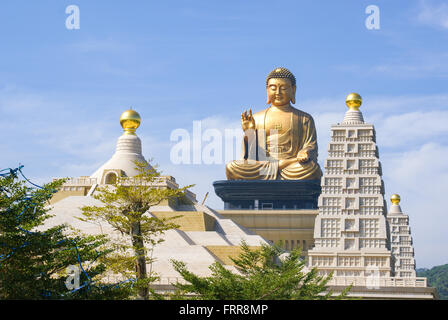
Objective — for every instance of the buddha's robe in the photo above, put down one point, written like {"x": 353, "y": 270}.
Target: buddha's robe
{"x": 299, "y": 133}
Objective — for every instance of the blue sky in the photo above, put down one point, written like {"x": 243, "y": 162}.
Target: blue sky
{"x": 62, "y": 91}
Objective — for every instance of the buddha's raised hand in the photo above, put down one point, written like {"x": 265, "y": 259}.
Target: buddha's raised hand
{"x": 247, "y": 120}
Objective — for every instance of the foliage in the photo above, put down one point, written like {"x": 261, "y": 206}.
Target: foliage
{"x": 33, "y": 261}
{"x": 126, "y": 204}
{"x": 438, "y": 278}
{"x": 262, "y": 274}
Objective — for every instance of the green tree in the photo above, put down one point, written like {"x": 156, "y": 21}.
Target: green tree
{"x": 263, "y": 274}
{"x": 437, "y": 278}
{"x": 33, "y": 261}
{"x": 126, "y": 204}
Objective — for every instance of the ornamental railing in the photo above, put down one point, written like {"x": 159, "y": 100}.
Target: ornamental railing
{"x": 340, "y": 281}
{"x": 378, "y": 282}
{"x": 169, "y": 280}
{"x": 80, "y": 181}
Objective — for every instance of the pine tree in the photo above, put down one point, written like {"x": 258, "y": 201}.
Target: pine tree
{"x": 125, "y": 208}
{"x": 34, "y": 260}
{"x": 266, "y": 273}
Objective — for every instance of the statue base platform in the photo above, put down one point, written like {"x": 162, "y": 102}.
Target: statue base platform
{"x": 268, "y": 194}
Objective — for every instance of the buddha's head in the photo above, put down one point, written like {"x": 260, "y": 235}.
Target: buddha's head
{"x": 280, "y": 87}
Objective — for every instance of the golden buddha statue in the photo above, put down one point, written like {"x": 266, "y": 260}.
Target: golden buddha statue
{"x": 280, "y": 141}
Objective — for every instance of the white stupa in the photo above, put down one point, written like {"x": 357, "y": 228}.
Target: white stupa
{"x": 129, "y": 150}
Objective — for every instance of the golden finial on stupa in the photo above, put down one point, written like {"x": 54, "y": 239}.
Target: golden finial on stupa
{"x": 353, "y": 101}
{"x": 130, "y": 120}
{"x": 395, "y": 198}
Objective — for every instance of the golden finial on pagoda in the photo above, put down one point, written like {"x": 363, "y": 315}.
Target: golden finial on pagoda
{"x": 395, "y": 198}
{"x": 130, "y": 120}
{"x": 353, "y": 101}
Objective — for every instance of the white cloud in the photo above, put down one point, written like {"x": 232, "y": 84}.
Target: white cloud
{"x": 86, "y": 140}
{"x": 404, "y": 103}
{"x": 13, "y": 103}
{"x": 101, "y": 45}
{"x": 50, "y": 134}
{"x": 421, "y": 168}
{"x": 323, "y": 122}
{"x": 58, "y": 137}
{"x": 376, "y": 105}
{"x": 420, "y": 176}
{"x": 412, "y": 128}
{"x": 221, "y": 122}
{"x": 412, "y": 64}
{"x": 433, "y": 14}
{"x": 202, "y": 176}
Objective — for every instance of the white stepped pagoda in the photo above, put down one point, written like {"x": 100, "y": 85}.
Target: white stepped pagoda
{"x": 350, "y": 232}
{"x": 354, "y": 235}
{"x": 403, "y": 261}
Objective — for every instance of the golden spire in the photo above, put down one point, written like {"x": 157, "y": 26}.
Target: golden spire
{"x": 353, "y": 101}
{"x": 130, "y": 121}
{"x": 395, "y": 198}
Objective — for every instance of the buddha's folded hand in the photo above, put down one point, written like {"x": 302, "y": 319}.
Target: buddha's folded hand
{"x": 302, "y": 156}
